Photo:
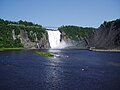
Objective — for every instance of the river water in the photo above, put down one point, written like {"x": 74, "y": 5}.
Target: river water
{"x": 69, "y": 70}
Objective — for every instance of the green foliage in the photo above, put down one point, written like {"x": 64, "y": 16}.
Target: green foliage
{"x": 6, "y": 39}
{"x": 6, "y": 27}
{"x": 75, "y": 32}
{"x": 34, "y": 32}
{"x": 45, "y": 54}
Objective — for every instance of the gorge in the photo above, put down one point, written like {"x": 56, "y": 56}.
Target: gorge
{"x": 29, "y": 35}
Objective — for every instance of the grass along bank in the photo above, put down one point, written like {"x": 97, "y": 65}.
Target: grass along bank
{"x": 45, "y": 54}
{"x": 6, "y": 49}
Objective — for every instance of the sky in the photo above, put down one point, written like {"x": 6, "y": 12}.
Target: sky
{"x": 55, "y": 13}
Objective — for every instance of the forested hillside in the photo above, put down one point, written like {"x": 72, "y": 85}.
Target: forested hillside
{"x": 75, "y": 32}
{"x": 20, "y": 34}
{"x": 76, "y": 36}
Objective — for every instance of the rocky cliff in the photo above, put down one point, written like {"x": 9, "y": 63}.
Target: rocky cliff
{"x": 107, "y": 36}
{"x": 36, "y": 43}
{"x": 80, "y": 42}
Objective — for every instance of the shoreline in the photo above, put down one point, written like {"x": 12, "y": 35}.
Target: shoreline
{"x": 7, "y": 49}
{"x": 96, "y": 50}
{"x": 105, "y": 50}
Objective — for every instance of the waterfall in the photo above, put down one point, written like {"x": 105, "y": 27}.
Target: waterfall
{"x": 54, "y": 39}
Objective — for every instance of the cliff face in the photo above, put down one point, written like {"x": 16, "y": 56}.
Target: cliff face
{"x": 80, "y": 42}
{"x": 107, "y": 36}
{"x": 25, "y": 39}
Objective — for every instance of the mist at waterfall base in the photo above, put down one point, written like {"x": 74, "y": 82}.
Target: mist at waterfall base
{"x": 55, "y": 41}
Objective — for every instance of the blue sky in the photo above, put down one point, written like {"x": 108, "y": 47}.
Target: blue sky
{"x": 55, "y": 13}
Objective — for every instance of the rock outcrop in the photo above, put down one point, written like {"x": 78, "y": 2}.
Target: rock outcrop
{"x": 107, "y": 36}
{"x": 80, "y": 42}
{"x": 25, "y": 40}
{"x": 76, "y": 36}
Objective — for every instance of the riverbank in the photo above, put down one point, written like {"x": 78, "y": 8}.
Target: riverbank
{"x": 105, "y": 50}
{"x": 7, "y": 49}
{"x": 93, "y": 49}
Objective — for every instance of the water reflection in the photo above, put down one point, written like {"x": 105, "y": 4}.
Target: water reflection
{"x": 53, "y": 70}
{"x": 8, "y": 53}
{"x": 54, "y": 50}
{"x": 117, "y": 64}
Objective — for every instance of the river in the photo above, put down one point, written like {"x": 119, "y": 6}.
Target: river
{"x": 70, "y": 70}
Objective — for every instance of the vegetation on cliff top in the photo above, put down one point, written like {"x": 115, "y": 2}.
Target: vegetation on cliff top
{"x": 75, "y": 32}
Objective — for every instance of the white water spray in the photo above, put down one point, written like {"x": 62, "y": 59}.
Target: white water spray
{"x": 54, "y": 39}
